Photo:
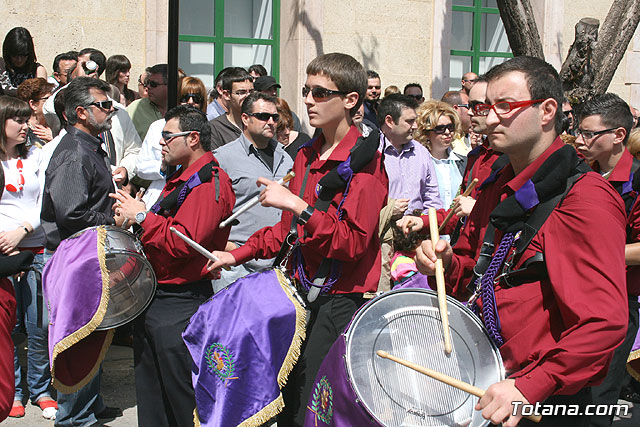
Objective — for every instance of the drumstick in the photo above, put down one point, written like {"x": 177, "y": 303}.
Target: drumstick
{"x": 442, "y": 295}
{"x": 254, "y": 201}
{"x": 453, "y": 382}
{"x": 197, "y": 247}
{"x": 465, "y": 194}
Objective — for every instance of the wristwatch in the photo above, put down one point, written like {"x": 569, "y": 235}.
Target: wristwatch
{"x": 140, "y": 217}
{"x": 305, "y": 215}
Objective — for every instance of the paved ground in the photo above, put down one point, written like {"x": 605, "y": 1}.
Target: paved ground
{"x": 118, "y": 389}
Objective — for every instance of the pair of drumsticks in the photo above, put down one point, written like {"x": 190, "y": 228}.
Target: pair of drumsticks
{"x": 444, "y": 315}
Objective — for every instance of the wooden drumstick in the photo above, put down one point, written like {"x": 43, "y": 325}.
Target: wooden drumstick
{"x": 465, "y": 194}
{"x": 453, "y": 382}
{"x": 197, "y": 247}
{"x": 254, "y": 201}
{"x": 442, "y": 294}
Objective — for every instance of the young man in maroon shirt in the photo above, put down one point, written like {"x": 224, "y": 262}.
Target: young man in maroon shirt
{"x": 162, "y": 363}
{"x": 334, "y": 89}
{"x": 558, "y": 328}
{"x": 605, "y": 124}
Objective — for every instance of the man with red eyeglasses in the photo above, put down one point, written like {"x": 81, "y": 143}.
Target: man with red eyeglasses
{"x": 550, "y": 286}
{"x": 339, "y": 226}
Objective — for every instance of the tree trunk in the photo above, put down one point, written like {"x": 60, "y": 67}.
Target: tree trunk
{"x": 520, "y": 25}
{"x": 614, "y": 37}
{"x": 577, "y": 71}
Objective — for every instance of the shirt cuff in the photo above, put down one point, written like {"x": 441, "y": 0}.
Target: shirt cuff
{"x": 314, "y": 222}
{"x": 242, "y": 254}
{"x": 536, "y": 385}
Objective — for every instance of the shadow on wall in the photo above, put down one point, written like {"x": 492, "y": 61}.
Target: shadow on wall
{"x": 369, "y": 59}
{"x": 440, "y": 80}
{"x": 303, "y": 18}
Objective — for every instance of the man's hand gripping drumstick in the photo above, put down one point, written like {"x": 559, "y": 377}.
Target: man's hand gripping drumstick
{"x": 274, "y": 194}
{"x": 409, "y": 223}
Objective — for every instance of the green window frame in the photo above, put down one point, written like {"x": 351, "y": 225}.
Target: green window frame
{"x": 476, "y": 53}
{"x": 219, "y": 40}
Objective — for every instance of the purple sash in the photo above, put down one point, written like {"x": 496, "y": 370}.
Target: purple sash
{"x": 633, "y": 361}
{"x": 75, "y": 283}
{"x": 244, "y": 342}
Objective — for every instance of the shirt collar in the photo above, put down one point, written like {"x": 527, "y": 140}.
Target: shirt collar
{"x": 185, "y": 174}
{"x": 387, "y": 147}
{"x": 343, "y": 150}
{"x": 622, "y": 169}
{"x": 250, "y": 148}
{"x": 527, "y": 173}
{"x": 91, "y": 141}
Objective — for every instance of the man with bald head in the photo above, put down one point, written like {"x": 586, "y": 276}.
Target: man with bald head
{"x": 468, "y": 80}
{"x": 460, "y": 102}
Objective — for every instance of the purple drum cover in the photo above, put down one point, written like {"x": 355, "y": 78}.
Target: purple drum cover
{"x": 332, "y": 401}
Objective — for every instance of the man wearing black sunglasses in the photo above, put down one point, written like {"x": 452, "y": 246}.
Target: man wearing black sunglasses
{"x": 550, "y": 289}
{"x": 78, "y": 181}
{"x": 253, "y": 155}
{"x": 333, "y": 91}
{"x": 145, "y": 111}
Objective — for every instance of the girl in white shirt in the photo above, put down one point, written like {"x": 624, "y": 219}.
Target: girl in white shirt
{"x": 20, "y": 230}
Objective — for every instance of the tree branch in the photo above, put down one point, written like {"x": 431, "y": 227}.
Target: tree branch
{"x": 520, "y": 25}
{"x": 616, "y": 33}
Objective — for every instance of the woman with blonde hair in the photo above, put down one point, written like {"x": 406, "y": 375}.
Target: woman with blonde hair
{"x": 438, "y": 124}
{"x": 633, "y": 144}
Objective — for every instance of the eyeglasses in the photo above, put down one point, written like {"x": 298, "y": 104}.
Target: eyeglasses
{"x": 568, "y": 113}
{"x": 168, "y": 136}
{"x": 187, "y": 96}
{"x": 242, "y": 92}
{"x": 154, "y": 84}
{"x": 503, "y": 107}
{"x": 319, "y": 93}
{"x": 441, "y": 129}
{"x": 588, "y": 135}
{"x": 473, "y": 105}
{"x": 105, "y": 105}
{"x": 416, "y": 97}
{"x": 469, "y": 80}
{"x": 264, "y": 117}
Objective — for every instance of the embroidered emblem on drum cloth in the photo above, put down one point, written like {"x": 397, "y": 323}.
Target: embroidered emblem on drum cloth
{"x": 220, "y": 362}
{"x": 322, "y": 401}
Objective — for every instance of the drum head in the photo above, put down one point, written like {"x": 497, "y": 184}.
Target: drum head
{"x": 406, "y": 323}
{"x": 132, "y": 282}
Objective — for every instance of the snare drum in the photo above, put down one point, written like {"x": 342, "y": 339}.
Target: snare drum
{"x": 132, "y": 281}
{"x": 355, "y": 387}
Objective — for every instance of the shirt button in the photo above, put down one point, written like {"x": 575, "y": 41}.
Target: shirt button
{"x": 528, "y": 376}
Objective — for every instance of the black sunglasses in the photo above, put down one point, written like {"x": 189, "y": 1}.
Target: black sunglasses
{"x": 187, "y": 96}
{"x": 416, "y": 97}
{"x": 154, "y": 84}
{"x": 319, "y": 93}
{"x": 105, "y": 105}
{"x": 264, "y": 117}
{"x": 440, "y": 129}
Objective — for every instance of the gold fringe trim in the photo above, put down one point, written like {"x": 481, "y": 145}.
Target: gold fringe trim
{"x": 299, "y": 335}
{"x": 265, "y": 414}
{"x": 196, "y": 418}
{"x": 91, "y": 326}
{"x": 633, "y": 356}
{"x": 103, "y": 352}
